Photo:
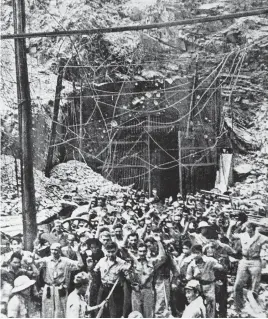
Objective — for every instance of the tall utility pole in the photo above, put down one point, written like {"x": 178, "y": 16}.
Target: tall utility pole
{"x": 25, "y": 128}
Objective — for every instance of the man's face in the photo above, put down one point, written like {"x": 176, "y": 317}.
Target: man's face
{"x": 94, "y": 248}
{"x": 210, "y": 251}
{"x": 204, "y": 230}
{"x": 250, "y": 230}
{"x": 177, "y": 218}
{"x": 142, "y": 251}
{"x": 118, "y": 232}
{"x": 111, "y": 253}
{"x": 133, "y": 241}
{"x": 206, "y": 202}
{"x": 57, "y": 226}
{"x": 212, "y": 219}
{"x": 16, "y": 246}
{"x": 83, "y": 289}
{"x": 105, "y": 239}
{"x": 141, "y": 223}
{"x": 99, "y": 202}
{"x": 149, "y": 245}
{"x": 185, "y": 214}
{"x": 190, "y": 295}
{"x": 70, "y": 239}
{"x": 55, "y": 252}
{"x": 15, "y": 263}
{"x": 186, "y": 250}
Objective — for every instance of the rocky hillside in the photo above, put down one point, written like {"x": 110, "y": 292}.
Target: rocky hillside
{"x": 236, "y": 50}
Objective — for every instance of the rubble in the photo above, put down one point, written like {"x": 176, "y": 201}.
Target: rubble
{"x": 71, "y": 184}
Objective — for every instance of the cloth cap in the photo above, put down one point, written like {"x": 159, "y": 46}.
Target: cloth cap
{"x": 193, "y": 284}
{"x": 203, "y": 224}
{"x": 21, "y": 283}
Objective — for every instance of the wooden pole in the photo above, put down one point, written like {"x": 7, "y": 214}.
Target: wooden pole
{"x": 149, "y": 157}
{"x": 25, "y": 129}
{"x": 81, "y": 121}
{"x": 54, "y": 120}
{"x": 138, "y": 27}
{"x": 180, "y": 166}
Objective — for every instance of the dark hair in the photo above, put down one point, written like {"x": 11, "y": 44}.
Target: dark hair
{"x": 196, "y": 249}
{"x": 187, "y": 243}
{"x": 17, "y": 255}
{"x": 133, "y": 234}
{"x": 118, "y": 225}
{"x": 18, "y": 239}
{"x": 252, "y": 225}
{"x": 111, "y": 245}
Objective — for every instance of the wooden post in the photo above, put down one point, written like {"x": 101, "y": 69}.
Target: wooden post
{"x": 25, "y": 129}
{"x": 180, "y": 166}
{"x": 54, "y": 120}
{"x": 149, "y": 157}
{"x": 81, "y": 121}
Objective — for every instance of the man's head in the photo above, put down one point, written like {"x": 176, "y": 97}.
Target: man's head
{"x": 203, "y": 227}
{"x": 186, "y": 247}
{"x": 57, "y": 225}
{"x": 212, "y": 219}
{"x": 177, "y": 217}
{"x": 81, "y": 281}
{"x": 70, "y": 239}
{"x": 16, "y": 244}
{"x": 210, "y": 250}
{"x": 251, "y": 229}
{"x": 105, "y": 237}
{"x": 197, "y": 250}
{"x": 142, "y": 251}
{"x": 15, "y": 261}
{"x": 55, "y": 250}
{"x": 192, "y": 290}
{"x": 133, "y": 240}
{"x": 111, "y": 250}
{"x": 118, "y": 231}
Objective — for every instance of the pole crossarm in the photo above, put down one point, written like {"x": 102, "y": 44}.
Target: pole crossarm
{"x": 135, "y": 27}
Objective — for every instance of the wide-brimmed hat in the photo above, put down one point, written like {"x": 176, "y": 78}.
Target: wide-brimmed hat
{"x": 203, "y": 224}
{"x": 21, "y": 283}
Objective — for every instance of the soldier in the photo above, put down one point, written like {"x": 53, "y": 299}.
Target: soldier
{"x": 56, "y": 276}
{"x": 142, "y": 279}
{"x": 196, "y": 307}
{"x": 17, "y": 305}
{"x": 112, "y": 270}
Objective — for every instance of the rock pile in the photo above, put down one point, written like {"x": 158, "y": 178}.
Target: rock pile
{"x": 73, "y": 181}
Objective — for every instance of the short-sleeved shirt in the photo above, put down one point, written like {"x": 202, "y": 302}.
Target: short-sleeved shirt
{"x": 251, "y": 246}
{"x": 111, "y": 270}
{"x": 57, "y": 272}
{"x": 17, "y": 307}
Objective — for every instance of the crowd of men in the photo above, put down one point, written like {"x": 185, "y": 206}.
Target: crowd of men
{"x": 137, "y": 256}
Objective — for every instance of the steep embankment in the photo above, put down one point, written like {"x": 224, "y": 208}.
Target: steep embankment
{"x": 241, "y": 45}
